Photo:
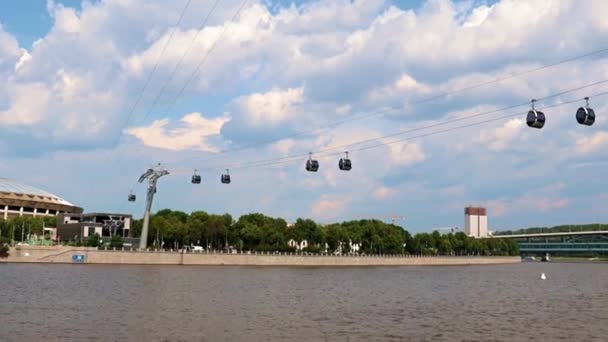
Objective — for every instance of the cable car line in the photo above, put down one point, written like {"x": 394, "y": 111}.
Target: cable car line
{"x": 201, "y": 27}
{"x": 130, "y": 113}
{"x": 343, "y": 146}
{"x": 220, "y": 153}
{"x": 300, "y": 158}
{"x": 151, "y": 73}
{"x": 312, "y": 165}
{"x": 204, "y": 59}
{"x": 517, "y": 74}
{"x": 180, "y": 61}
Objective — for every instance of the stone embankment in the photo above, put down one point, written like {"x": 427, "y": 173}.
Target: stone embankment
{"x": 84, "y": 255}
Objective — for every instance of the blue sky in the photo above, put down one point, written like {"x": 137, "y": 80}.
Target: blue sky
{"x": 71, "y": 71}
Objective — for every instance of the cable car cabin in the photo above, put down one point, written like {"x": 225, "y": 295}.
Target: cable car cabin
{"x": 345, "y": 164}
{"x": 132, "y": 197}
{"x": 535, "y": 119}
{"x": 585, "y": 116}
{"x": 312, "y": 165}
{"x": 196, "y": 179}
{"x": 226, "y": 179}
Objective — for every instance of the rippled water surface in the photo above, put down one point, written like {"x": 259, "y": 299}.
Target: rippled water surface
{"x": 182, "y": 303}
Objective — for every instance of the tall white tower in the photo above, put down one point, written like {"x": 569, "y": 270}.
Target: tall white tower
{"x": 475, "y": 222}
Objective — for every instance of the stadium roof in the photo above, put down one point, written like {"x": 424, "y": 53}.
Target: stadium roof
{"x": 13, "y": 187}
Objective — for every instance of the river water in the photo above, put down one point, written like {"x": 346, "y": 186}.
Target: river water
{"x": 182, "y": 303}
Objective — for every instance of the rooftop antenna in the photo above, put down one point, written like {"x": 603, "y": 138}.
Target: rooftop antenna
{"x": 152, "y": 175}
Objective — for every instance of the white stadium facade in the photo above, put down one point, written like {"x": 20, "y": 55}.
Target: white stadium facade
{"x": 17, "y": 199}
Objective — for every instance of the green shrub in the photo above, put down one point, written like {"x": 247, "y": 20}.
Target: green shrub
{"x": 93, "y": 240}
{"x": 116, "y": 241}
{"x": 4, "y": 250}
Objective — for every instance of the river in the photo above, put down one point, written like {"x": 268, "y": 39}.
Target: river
{"x": 195, "y": 303}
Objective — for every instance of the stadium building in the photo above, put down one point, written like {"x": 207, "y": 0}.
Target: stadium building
{"x": 17, "y": 199}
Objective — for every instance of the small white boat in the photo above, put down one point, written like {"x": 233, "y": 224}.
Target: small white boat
{"x": 543, "y": 276}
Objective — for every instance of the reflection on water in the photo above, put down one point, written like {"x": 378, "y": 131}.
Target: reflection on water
{"x": 181, "y": 303}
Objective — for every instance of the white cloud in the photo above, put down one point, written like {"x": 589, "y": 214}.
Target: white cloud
{"x": 592, "y": 143}
{"x": 272, "y": 107}
{"x": 544, "y": 199}
{"x": 501, "y": 138}
{"x": 9, "y": 50}
{"x": 193, "y": 133}
{"x": 406, "y": 154}
{"x": 29, "y": 103}
{"x": 284, "y": 146}
{"x": 283, "y": 70}
{"x": 383, "y": 192}
{"x": 330, "y": 206}
{"x": 344, "y": 109}
{"x": 478, "y": 16}
{"x": 25, "y": 57}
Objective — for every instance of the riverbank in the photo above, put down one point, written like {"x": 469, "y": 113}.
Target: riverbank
{"x": 579, "y": 259}
{"x": 84, "y": 255}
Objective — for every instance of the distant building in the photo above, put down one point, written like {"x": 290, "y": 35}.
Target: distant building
{"x": 18, "y": 199}
{"x": 79, "y": 227}
{"x": 298, "y": 245}
{"x": 475, "y": 222}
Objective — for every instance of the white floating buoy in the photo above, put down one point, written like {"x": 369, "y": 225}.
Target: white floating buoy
{"x": 543, "y": 276}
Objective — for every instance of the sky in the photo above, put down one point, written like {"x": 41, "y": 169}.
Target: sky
{"x": 93, "y": 93}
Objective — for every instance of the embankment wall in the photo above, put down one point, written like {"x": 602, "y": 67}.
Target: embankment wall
{"x": 38, "y": 254}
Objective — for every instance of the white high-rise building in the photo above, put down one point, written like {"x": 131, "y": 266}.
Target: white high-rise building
{"x": 475, "y": 222}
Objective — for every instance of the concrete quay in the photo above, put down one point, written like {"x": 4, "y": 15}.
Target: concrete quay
{"x": 85, "y": 255}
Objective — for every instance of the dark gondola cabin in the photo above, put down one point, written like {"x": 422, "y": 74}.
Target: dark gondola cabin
{"x": 535, "y": 118}
{"x": 312, "y": 165}
{"x": 226, "y": 177}
{"x": 132, "y": 197}
{"x": 345, "y": 164}
{"x": 585, "y": 115}
{"x": 196, "y": 179}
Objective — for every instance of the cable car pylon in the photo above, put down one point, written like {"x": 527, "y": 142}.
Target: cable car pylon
{"x": 152, "y": 175}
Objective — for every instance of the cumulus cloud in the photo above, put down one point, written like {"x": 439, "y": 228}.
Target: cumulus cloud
{"x": 193, "y": 133}
{"x": 284, "y": 74}
{"x": 592, "y": 143}
{"x": 272, "y": 107}
{"x": 329, "y": 206}
{"x": 284, "y": 146}
{"x": 405, "y": 154}
{"x": 543, "y": 199}
{"x": 500, "y": 138}
{"x": 9, "y": 50}
{"x": 478, "y": 16}
{"x": 383, "y": 192}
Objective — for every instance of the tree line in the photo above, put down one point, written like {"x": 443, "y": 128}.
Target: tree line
{"x": 258, "y": 232}
{"x": 19, "y": 228}
{"x": 556, "y": 229}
